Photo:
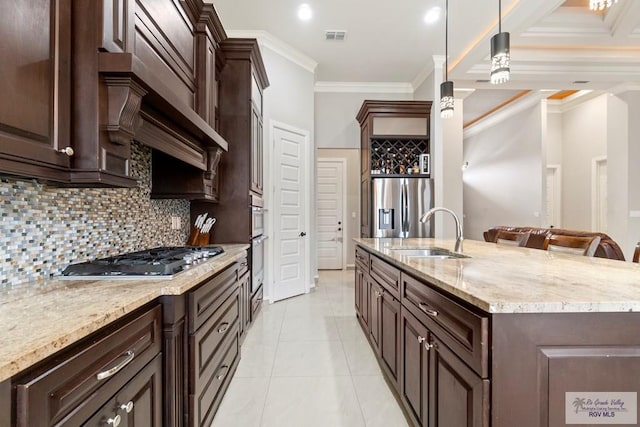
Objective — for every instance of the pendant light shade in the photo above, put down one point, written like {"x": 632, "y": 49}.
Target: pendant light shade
{"x": 500, "y": 55}
{"x": 446, "y": 100}
{"x": 500, "y": 58}
{"x": 446, "y": 87}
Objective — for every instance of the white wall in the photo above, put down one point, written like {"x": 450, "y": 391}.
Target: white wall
{"x": 290, "y": 100}
{"x": 554, "y": 138}
{"x": 632, "y": 99}
{"x": 618, "y": 172}
{"x": 584, "y": 137}
{"x": 335, "y": 114}
{"x": 424, "y": 92}
{"x": 352, "y": 187}
{"x": 503, "y": 183}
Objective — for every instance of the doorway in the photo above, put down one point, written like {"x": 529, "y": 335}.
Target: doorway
{"x": 554, "y": 199}
{"x": 291, "y": 210}
{"x": 599, "y": 195}
{"x": 330, "y": 205}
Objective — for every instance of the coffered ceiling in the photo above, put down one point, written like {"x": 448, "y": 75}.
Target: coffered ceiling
{"x": 555, "y": 43}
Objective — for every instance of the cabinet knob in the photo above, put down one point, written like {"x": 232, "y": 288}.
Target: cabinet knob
{"x": 127, "y": 407}
{"x": 222, "y": 373}
{"x": 428, "y": 346}
{"x": 115, "y": 421}
{"x": 67, "y": 150}
{"x": 421, "y": 339}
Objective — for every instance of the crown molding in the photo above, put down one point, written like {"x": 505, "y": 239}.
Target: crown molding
{"x": 624, "y": 87}
{"x": 505, "y": 113}
{"x": 422, "y": 76}
{"x": 280, "y": 47}
{"x": 363, "y": 87}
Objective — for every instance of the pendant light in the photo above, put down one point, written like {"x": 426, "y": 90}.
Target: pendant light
{"x": 446, "y": 87}
{"x": 500, "y": 57}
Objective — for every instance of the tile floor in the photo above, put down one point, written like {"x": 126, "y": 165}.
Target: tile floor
{"x": 306, "y": 363}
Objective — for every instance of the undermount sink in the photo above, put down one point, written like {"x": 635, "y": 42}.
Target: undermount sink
{"x": 428, "y": 253}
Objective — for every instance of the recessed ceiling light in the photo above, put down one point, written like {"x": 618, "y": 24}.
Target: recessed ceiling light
{"x": 433, "y": 15}
{"x": 304, "y": 12}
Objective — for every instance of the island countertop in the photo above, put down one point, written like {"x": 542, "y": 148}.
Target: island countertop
{"x": 504, "y": 279}
{"x": 40, "y": 319}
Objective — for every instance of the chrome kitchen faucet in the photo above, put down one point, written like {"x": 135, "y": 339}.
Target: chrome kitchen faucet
{"x": 427, "y": 216}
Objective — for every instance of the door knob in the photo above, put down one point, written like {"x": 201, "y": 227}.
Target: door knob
{"x": 302, "y": 234}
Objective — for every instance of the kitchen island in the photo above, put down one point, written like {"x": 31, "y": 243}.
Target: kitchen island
{"x": 508, "y": 336}
{"x": 53, "y": 327}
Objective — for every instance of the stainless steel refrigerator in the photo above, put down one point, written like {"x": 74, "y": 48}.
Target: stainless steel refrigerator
{"x": 398, "y": 204}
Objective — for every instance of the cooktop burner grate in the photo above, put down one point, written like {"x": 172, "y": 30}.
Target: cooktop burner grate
{"x": 156, "y": 262}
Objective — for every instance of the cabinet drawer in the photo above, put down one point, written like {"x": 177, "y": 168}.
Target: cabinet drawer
{"x": 75, "y": 385}
{"x": 386, "y": 275}
{"x": 462, "y": 330}
{"x": 206, "y": 300}
{"x": 205, "y": 402}
{"x": 138, "y": 404}
{"x": 256, "y": 303}
{"x": 362, "y": 258}
{"x": 206, "y": 344}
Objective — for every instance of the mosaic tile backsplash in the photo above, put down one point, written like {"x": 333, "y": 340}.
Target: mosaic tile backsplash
{"x": 44, "y": 228}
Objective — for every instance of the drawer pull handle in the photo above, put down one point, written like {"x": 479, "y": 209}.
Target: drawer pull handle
{"x": 223, "y": 328}
{"x": 115, "y": 421}
{"x": 224, "y": 371}
{"x": 421, "y": 339}
{"x": 431, "y": 312}
{"x": 127, "y": 407}
{"x": 112, "y": 371}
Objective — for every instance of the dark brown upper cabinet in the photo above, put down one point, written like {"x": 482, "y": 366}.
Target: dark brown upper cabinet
{"x": 83, "y": 80}
{"x": 244, "y": 79}
{"x": 34, "y": 82}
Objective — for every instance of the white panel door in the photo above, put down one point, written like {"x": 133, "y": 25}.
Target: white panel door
{"x": 289, "y": 218}
{"x": 329, "y": 215}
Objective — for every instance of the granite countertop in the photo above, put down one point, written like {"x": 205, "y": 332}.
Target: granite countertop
{"x": 40, "y": 319}
{"x": 504, "y": 279}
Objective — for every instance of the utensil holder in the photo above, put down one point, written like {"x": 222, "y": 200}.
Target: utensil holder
{"x": 194, "y": 237}
{"x": 203, "y": 239}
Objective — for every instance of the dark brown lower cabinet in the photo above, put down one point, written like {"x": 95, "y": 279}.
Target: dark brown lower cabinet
{"x": 375, "y": 308}
{"x": 458, "y": 396}
{"x": 245, "y": 304}
{"x": 363, "y": 303}
{"x": 138, "y": 404}
{"x": 358, "y": 285}
{"x": 414, "y": 373}
{"x": 390, "y": 336}
{"x": 118, "y": 365}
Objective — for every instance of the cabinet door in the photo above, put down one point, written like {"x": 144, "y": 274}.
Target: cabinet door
{"x": 358, "y": 290}
{"x": 365, "y": 208}
{"x": 35, "y": 70}
{"x": 137, "y": 404}
{"x": 256, "y": 150}
{"x": 390, "y": 335}
{"x": 245, "y": 303}
{"x": 458, "y": 396}
{"x": 375, "y": 308}
{"x": 414, "y": 368}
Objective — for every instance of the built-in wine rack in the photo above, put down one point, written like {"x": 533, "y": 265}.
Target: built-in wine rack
{"x": 397, "y": 156}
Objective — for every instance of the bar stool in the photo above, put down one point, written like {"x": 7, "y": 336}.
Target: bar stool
{"x": 636, "y": 253}
{"x": 512, "y": 238}
{"x": 571, "y": 244}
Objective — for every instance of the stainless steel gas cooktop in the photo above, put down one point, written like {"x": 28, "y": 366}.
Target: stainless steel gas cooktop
{"x": 157, "y": 263}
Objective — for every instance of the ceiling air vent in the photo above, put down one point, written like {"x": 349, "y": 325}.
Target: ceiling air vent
{"x": 335, "y": 35}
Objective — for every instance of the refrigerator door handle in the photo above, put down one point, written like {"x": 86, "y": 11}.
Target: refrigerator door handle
{"x": 405, "y": 208}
